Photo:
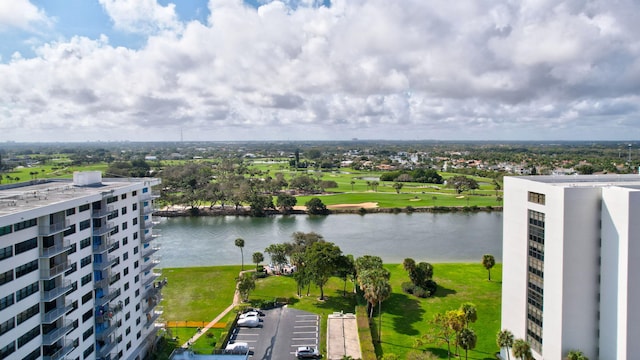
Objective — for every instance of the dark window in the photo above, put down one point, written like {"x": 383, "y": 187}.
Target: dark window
{"x": 26, "y": 245}
{"x": 84, "y": 224}
{"x": 135, "y": 234}
{"x": 26, "y": 268}
{"x": 87, "y": 297}
{"x": 85, "y": 261}
{"x": 8, "y": 350}
{"x": 125, "y": 256}
{"x": 85, "y": 242}
{"x": 86, "y": 316}
{"x": 84, "y": 207}
{"x": 125, "y": 241}
{"x": 85, "y": 279}
{"x": 126, "y": 302}
{"x": 71, "y": 211}
{"x": 34, "y": 355}
{"x": 123, "y": 196}
{"x": 26, "y": 291}
{"x": 27, "y": 314}
{"x": 7, "y": 325}
{"x": 74, "y": 248}
{"x": 74, "y": 287}
{"x": 6, "y": 301}
{"x": 123, "y": 210}
{"x": 135, "y": 250}
{"x": 124, "y": 226}
{"x": 536, "y": 198}
{"x": 87, "y": 334}
{"x": 73, "y": 268}
{"x": 126, "y": 287}
{"x": 137, "y": 294}
{"x": 126, "y": 271}
{"x": 70, "y": 230}
{"x": 25, "y": 224}
{"x": 28, "y": 336}
{"x": 139, "y": 334}
{"x": 6, "y": 252}
{"x": 6, "y": 277}
{"x": 87, "y": 352}
{"x": 4, "y": 230}
{"x": 112, "y": 199}
{"x": 134, "y": 193}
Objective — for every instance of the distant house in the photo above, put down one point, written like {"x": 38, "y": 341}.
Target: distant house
{"x": 150, "y": 158}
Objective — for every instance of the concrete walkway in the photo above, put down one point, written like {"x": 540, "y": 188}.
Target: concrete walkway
{"x": 236, "y": 302}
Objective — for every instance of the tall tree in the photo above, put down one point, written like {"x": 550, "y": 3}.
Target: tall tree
{"x": 521, "y": 349}
{"x": 467, "y": 340}
{"x": 286, "y": 202}
{"x": 278, "y": 253}
{"x": 321, "y": 260}
{"x": 246, "y": 283}
{"x": 315, "y": 206}
{"x": 409, "y": 265}
{"x": 504, "y": 339}
{"x": 240, "y": 243}
{"x": 398, "y": 186}
{"x": 470, "y": 313}
{"x": 488, "y": 261}
{"x": 257, "y": 258}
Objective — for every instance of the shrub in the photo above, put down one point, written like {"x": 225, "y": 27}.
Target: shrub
{"x": 408, "y": 287}
{"x": 410, "y": 209}
{"x": 396, "y": 210}
{"x": 431, "y": 287}
{"x": 420, "y": 292}
{"x": 362, "y": 211}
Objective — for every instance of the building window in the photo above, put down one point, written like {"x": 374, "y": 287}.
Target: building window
{"x": 4, "y": 230}
{"x": 74, "y": 287}
{"x": 73, "y": 268}
{"x": 135, "y": 221}
{"x": 6, "y": 301}
{"x": 26, "y": 291}
{"x": 126, "y": 271}
{"x": 137, "y": 293}
{"x": 6, "y": 277}
{"x": 26, "y": 268}
{"x": 25, "y": 224}
{"x": 85, "y": 279}
{"x": 71, "y": 230}
{"x": 535, "y": 280}
{"x": 87, "y": 352}
{"x": 126, "y": 287}
{"x": 71, "y": 211}
{"x": 135, "y": 234}
{"x": 112, "y": 199}
{"x": 124, "y": 226}
{"x": 126, "y": 302}
{"x": 123, "y": 196}
{"x": 28, "y": 336}
{"x": 6, "y": 252}
{"x": 8, "y": 350}
{"x": 536, "y": 198}
{"x": 135, "y": 250}
{"x": 27, "y": 314}
{"x": 85, "y": 224}
{"x": 125, "y": 241}
{"x": 26, "y": 245}
{"x": 123, "y": 210}
{"x": 85, "y": 261}
{"x": 134, "y": 193}
{"x": 85, "y": 242}
{"x": 86, "y": 316}
{"x": 74, "y": 248}
{"x": 87, "y": 334}
{"x": 84, "y": 207}
{"x": 6, "y": 326}
{"x": 34, "y": 355}
{"x": 87, "y": 297}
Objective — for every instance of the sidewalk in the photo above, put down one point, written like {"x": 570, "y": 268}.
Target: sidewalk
{"x": 236, "y": 302}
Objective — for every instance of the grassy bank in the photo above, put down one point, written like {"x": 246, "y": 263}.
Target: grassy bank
{"x": 202, "y": 293}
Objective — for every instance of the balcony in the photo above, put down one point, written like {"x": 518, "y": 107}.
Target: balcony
{"x": 103, "y": 229}
{"x": 56, "y": 313}
{"x": 57, "y": 249}
{"x": 56, "y": 292}
{"x": 106, "y": 242}
{"x": 149, "y": 264}
{"x": 103, "y": 264}
{"x": 100, "y": 213}
{"x": 148, "y": 237}
{"x": 152, "y": 317}
{"x": 146, "y": 224}
{"x": 149, "y": 250}
{"x": 105, "y": 349}
{"x": 52, "y": 229}
{"x": 149, "y": 195}
{"x": 103, "y": 332}
{"x": 148, "y": 278}
{"x": 50, "y": 273}
{"x": 56, "y": 334}
{"x": 147, "y": 210}
{"x": 61, "y": 352}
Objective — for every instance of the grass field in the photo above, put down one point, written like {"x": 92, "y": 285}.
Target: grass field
{"x": 202, "y": 293}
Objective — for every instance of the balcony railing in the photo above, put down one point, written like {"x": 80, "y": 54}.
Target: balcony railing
{"x": 149, "y": 264}
{"x": 106, "y": 242}
{"x": 147, "y": 210}
{"x": 146, "y": 224}
{"x": 106, "y": 349}
{"x": 150, "y": 250}
{"x": 103, "y": 229}
{"x": 103, "y": 264}
{"x": 152, "y": 317}
{"x": 149, "y": 237}
{"x": 149, "y": 278}
{"x": 56, "y": 313}
{"x": 54, "y": 335}
{"x": 46, "y": 274}
{"x": 56, "y": 292}
{"x": 58, "y": 248}
{"x": 61, "y": 352}
{"x": 108, "y": 329}
{"x": 100, "y": 213}
{"x": 50, "y": 229}
{"x": 149, "y": 195}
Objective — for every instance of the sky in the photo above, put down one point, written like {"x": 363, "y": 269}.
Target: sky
{"x": 233, "y": 70}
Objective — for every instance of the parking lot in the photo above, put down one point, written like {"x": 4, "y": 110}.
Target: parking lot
{"x": 282, "y": 330}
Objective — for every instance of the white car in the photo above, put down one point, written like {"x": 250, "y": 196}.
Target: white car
{"x": 251, "y": 322}
{"x": 238, "y": 346}
{"x": 249, "y": 315}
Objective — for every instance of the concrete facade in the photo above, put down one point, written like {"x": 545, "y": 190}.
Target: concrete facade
{"x": 76, "y": 269}
{"x": 570, "y": 247}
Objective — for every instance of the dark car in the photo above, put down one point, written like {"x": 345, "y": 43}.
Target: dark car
{"x": 307, "y": 352}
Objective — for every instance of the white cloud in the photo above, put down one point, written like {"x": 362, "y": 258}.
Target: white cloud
{"x": 374, "y": 68}
{"x": 142, "y": 16}
{"x": 23, "y": 15}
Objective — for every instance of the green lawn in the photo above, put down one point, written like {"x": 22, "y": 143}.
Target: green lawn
{"x": 202, "y": 293}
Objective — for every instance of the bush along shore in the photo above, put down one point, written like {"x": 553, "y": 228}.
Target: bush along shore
{"x": 246, "y": 211}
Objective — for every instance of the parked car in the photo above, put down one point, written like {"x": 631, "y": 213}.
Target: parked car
{"x": 251, "y": 322}
{"x": 307, "y": 352}
{"x": 248, "y": 310}
{"x": 249, "y": 314}
{"x": 238, "y": 347}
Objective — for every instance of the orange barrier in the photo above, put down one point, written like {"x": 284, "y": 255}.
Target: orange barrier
{"x": 194, "y": 324}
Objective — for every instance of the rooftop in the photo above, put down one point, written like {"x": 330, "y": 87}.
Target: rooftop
{"x": 627, "y": 180}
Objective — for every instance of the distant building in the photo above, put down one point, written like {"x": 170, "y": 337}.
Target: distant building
{"x": 76, "y": 269}
{"x": 571, "y": 250}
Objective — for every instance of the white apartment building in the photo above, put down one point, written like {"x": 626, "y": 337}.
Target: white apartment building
{"x": 76, "y": 269}
{"x": 571, "y": 247}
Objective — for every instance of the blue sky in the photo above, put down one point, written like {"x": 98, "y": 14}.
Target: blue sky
{"x": 144, "y": 70}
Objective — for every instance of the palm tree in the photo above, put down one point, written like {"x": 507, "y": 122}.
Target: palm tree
{"x": 521, "y": 349}
{"x": 504, "y": 339}
{"x": 470, "y": 313}
{"x": 576, "y": 355}
{"x": 488, "y": 261}
{"x": 352, "y": 183}
{"x": 384, "y": 291}
{"x": 240, "y": 243}
{"x": 257, "y": 258}
{"x": 467, "y": 339}
{"x": 409, "y": 265}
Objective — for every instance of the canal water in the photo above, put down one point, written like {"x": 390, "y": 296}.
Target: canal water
{"x": 449, "y": 237}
